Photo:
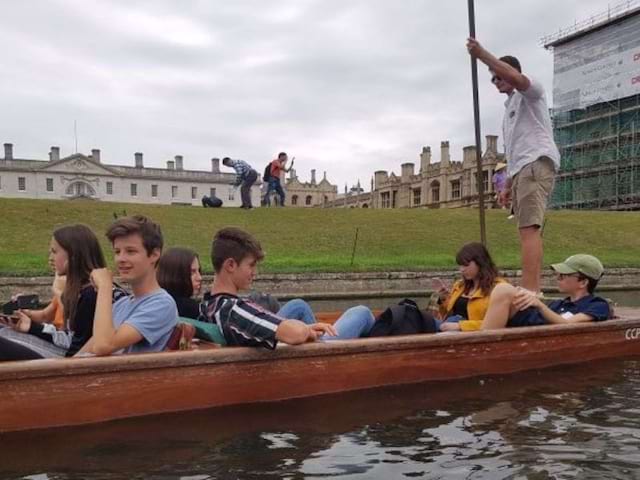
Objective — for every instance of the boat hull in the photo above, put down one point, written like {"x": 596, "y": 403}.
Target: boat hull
{"x": 53, "y": 393}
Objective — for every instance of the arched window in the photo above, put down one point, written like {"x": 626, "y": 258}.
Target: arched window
{"x": 294, "y": 200}
{"x": 325, "y": 199}
{"x": 364, "y": 205}
{"x": 308, "y": 200}
{"x": 80, "y": 190}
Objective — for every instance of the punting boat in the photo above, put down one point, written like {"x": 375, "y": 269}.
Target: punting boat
{"x": 51, "y": 393}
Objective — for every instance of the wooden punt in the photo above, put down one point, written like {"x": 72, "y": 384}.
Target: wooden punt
{"x": 53, "y": 393}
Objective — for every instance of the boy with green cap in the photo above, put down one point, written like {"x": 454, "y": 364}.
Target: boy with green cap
{"x": 577, "y": 278}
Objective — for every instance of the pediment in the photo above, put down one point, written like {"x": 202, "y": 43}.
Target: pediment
{"x": 79, "y": 164}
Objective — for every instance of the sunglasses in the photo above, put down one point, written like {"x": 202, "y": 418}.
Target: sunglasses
{"x": 495, "y": 79}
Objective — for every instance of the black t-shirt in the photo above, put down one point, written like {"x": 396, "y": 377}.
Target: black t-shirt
{"x": 460, "y": 307}
{"x": 187, "y": 307}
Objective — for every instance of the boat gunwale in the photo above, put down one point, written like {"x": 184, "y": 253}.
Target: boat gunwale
{"x": 162, "y": 360}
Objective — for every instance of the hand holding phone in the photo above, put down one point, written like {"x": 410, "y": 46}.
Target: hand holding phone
{"x": 439, "y": 286}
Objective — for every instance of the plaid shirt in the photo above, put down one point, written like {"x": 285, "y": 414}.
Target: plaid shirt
{"x": 242, "y": 169}
{"x": 242, "y": 323}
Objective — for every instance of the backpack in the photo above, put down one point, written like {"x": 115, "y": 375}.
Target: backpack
{"x": 266, "y": 176}
{"x": 403, "y": 319}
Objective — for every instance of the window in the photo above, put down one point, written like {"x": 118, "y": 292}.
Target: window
{"x": 49, "y": 184}
{"x": 485, "y": 181}
{"x": 385, "y": 199}
{"x": 307, "y": 201}
{"x": 109, "y": 188}
{"x": 212, "y": 192}
{"x": 394, "y": 197}
{"x": 154, "y": 191}
{"x": 232, "y": 193}
{"x": 22, "y": 184}
{"x": 134, "y": 189}
{"x": 325, "y": 199}
{"x": 417, "y": 194}
{"x": 174, "y": 191}
{"x": 435, "y": 191}
{"x": 294, "y": 200}
{"x": 194, "y": 192}
{"x": 455, "y": 189}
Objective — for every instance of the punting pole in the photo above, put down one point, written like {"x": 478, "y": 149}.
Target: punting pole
{"x": 476, "y": 119}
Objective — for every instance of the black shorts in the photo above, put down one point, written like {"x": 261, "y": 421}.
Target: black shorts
{"x": 529, "y": 317}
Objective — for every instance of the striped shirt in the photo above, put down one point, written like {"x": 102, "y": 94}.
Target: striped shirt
{"x": 242, "y": 169}
{"x": 242, "y": 323}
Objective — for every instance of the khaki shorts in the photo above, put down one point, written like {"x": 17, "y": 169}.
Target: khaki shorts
{"x": 530, "y": 192}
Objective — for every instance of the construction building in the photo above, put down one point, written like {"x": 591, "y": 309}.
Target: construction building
{"x": 596, "y": 110}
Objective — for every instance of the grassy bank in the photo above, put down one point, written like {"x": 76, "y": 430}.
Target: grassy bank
{"x": 323, "y": 239}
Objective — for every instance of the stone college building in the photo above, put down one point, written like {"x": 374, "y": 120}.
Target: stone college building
{"x": 85, "y": 176}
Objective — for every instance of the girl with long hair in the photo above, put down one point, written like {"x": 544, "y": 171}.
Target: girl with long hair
{"x": 463, "y": 307}
{"x": 74, "y": 252}
{"x": 179, "y": 273}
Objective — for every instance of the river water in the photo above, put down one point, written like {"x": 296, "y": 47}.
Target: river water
{"x": 570, "y": 422}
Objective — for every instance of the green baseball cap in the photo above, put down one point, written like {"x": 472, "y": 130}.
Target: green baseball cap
{"x": 587, "y": 265}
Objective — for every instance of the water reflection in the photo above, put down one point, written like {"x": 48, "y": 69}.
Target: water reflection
{"x": 562, "y": 423}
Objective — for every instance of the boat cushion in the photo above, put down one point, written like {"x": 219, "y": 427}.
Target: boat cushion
{"x": 205, "y": 330}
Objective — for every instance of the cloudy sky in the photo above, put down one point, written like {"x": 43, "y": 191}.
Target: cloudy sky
{"x": 347, "y": 86}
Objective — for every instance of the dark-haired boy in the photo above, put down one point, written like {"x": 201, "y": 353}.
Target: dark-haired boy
{"x": 577, "y": 277}
{"x": 532, "y": 155}
{"x": 235, "y": 255}
{"x": 142, "y": 322}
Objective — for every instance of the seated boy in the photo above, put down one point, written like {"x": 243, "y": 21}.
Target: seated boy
{"x": 577, "y": 277}
{"x": 142, "y": 322}
{"x": 235, "y": 255}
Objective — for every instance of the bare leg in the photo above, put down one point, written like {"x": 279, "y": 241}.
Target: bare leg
{"x": 531, "y": 255}
{"x": 501, "y": 307}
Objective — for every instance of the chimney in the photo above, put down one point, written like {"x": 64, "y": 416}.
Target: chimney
{"x": 313, "y": 177}
{"x": 445, "y": 157}
{"x": 8, "y": 151}
{"x": 215, "y": 165}
{"x": 425, "y": 159}
{"x": 381, "y": 176}
{"x": 179, "y": 165}
{"x": 469, "y": 155}
{"x": 492, "y": 143}
{"x": 407, "y": 170}
{"x": 95, "y": 154}
{"x": 54, "y": 154}
{"x": 324, "y": 175}
{"x": 139, "y": 162}
{"x": 171, "y": 165}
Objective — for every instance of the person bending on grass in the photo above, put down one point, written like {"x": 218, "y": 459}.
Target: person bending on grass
{"x": 144, "y": 321}
{"x": 235, "y": 255}
{"x": 577, "y": 277}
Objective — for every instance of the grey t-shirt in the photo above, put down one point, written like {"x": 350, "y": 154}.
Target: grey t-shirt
{"x": 527, "y": 130}
{"x": 153, "y": 315}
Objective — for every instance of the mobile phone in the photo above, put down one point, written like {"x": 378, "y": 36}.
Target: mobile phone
{"x": 27, "y": 302}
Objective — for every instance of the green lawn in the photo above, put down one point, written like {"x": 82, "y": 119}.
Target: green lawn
{"x": 322, "y": 240}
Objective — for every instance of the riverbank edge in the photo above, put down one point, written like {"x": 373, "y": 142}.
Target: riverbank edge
{"x": 327, "y": 286}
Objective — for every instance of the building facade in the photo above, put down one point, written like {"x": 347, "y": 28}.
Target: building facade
{"x": 85, "y": 176}
{"x": 444, "y": 184}
{"x": 309, "y": 194}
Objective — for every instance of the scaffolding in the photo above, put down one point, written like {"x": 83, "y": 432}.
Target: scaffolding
{"x": 596, "y": 114}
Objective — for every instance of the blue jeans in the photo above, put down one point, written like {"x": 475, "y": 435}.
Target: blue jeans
{"x": 274, "y": 186}
{"x": 355, "y": 322}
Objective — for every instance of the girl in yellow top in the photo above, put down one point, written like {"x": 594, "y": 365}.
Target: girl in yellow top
{"x": 464, "y": 307}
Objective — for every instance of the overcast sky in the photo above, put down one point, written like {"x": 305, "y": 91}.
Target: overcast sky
{"x": 346, "y": 86}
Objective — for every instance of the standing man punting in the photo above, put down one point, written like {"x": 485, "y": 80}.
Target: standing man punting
{"x": 532, "y": 155}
